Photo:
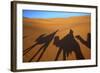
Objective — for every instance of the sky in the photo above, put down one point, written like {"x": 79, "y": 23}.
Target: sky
{"x": 51, "y": 14}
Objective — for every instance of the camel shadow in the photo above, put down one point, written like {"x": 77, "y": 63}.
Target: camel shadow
{"x": 66, "y": 45}
{"x": 42, "y": 39}
{"x": 87, "y": 42}
{"x": 38, "y": 41}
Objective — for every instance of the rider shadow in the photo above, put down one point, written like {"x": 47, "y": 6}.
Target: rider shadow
{"x": 67, "y": 45}
{"x": 87, "y": 42}
{"x": 42, "y": 39}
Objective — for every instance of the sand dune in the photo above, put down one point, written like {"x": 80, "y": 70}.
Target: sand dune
{"x": 32, "y": 28}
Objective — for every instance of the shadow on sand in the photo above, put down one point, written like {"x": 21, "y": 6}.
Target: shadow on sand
{"x": 66, "y": 45}
{"x": 42, "y": 39}
{"x": 87, "y": 42}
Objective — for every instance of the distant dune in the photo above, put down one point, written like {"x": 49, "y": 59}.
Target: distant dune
{"x": 32, "y": 28}
{"x": 57, "y": 22}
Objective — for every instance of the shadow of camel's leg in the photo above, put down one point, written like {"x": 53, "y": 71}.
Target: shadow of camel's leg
{"x": 36, "y": 53}
{"x": 79, "y": 54}
{"x": 64, "y": 55}
{"x": 42, "y": 53}
{"x": 28, "y": 49}
{"x": 58, "y": 53}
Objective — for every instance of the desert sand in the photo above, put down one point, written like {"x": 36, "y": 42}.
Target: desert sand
{"x": 32, "y": 28}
